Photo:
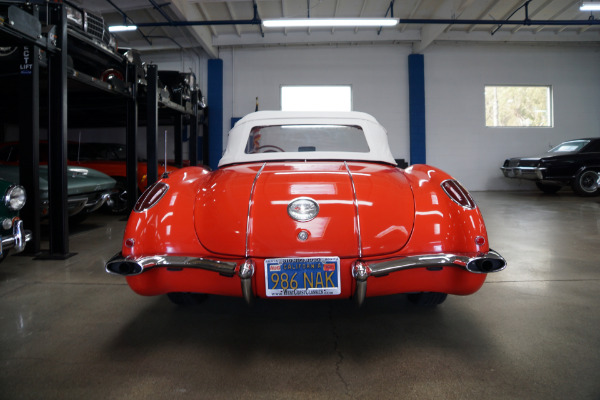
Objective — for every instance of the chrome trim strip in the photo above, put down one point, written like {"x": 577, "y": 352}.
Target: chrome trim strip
{"x": 356, "y": 209}
{"x": 250, "y": 203}
{"x": 145, "y": 263}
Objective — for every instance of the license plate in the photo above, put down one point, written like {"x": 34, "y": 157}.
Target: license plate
{"x": 302, "y": 276}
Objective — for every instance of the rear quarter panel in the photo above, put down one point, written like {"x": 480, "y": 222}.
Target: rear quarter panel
{"x": 168, "y": 226}
{"x": 441, "y": 225}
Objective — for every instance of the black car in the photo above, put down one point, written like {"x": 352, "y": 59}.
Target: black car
{"x": 575, "y": 163}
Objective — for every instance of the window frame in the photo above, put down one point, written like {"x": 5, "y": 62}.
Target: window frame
{"x": 549, "y": 105}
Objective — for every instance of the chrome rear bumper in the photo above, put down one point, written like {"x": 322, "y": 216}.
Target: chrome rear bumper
{"x": 93, "y": 205}
{"x": 533, "y": 173}
{"x": 481, "y": 264}
{"x": 134, "y": 266}
{"x": 361, "y": 270}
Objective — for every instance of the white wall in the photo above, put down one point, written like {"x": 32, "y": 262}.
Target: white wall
{"x": 455, "y": 76}
{"x": 378, "y": 75}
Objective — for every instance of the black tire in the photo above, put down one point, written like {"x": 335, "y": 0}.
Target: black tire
{"x": 587, "y": 183}
{"x": 186, "y": 299}
{"x": 548, "y": 188}
{"x": 427, "y": 299}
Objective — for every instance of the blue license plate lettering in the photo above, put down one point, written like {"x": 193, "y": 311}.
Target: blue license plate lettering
{"x": 302, "y": 276}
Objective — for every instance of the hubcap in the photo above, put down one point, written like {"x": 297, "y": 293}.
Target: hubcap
{"x": 590, "y": 181}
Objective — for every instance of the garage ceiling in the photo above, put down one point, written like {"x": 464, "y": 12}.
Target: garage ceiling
{"x": 470, "y": 20}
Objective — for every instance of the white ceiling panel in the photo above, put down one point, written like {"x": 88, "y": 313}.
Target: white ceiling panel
{"x": 214, "y": 22}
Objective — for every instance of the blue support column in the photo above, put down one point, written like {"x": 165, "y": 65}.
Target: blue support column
{"x": 416, "y": 98}
{"x": 215, "y": 112}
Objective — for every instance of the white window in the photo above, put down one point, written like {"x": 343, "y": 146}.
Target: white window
{"x": 316, "y": 98}
{"x": 518, "y": 106}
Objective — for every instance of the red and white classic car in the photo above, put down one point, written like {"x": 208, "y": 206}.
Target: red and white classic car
{"x": 306, "y": 206}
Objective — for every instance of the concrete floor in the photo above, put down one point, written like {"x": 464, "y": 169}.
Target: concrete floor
{"x": 70, "y": 331}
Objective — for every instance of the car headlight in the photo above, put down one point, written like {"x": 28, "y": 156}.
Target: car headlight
{"x": 15, "y": 197}
{"x": 75, "y": 16}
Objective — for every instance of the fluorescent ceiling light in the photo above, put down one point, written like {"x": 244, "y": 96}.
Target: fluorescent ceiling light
{"x": 590, "y": 6}
{"x": 122, "y": 28}
{"x": 328, "y": 22}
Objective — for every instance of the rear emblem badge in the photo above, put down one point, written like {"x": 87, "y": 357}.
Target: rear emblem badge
{"x": 303, "y": 209}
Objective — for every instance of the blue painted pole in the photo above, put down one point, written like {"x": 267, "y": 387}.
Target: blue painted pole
{"x": 416, "y": 98}
{"x": 215, "y": 112}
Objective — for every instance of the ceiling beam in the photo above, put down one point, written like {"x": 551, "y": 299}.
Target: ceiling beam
{"x": 412, "y": 14}
{"x": 533, "y": 14}
{"x": 561, "y": 11}
{"x": 232, "y": 15}
{"x": 485, "y": 13}
{"x": 370, "y": 37}
{"x": 186, "y": 11}
{"x": 430, "y": 32}
{"x": 362, "y": 12}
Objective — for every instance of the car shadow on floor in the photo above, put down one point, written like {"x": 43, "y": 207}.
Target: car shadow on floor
{"x": 296, "y": 328}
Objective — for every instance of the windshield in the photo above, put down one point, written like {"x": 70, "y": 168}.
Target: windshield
{"x": 306, "y": 138}
{"x": 569, "y": 147}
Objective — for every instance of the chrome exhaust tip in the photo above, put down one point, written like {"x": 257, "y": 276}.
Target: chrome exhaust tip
{"x": 491, "y": 262}
{"x": 121, "y": 266}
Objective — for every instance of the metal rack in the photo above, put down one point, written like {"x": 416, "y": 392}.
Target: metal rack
{"x": 21, "y": 27}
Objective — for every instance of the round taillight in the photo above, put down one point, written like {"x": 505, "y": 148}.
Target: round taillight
{"x": 479, "y": 240}
{"x": 151, "y": 196}
{"x": 458, "y": 193}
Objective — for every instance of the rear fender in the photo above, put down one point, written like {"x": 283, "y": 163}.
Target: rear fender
{"x": 441, "y": 225}
{"x": 168, "y": 226}
{"x": 586, "y": 168}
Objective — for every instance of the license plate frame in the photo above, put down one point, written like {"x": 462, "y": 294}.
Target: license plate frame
{"x": 304, "y": 276}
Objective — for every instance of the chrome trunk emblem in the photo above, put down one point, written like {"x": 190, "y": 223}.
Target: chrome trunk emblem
{"x": 303, "y": 209}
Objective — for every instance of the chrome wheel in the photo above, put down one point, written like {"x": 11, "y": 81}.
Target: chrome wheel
{"x": 587, "y": 183}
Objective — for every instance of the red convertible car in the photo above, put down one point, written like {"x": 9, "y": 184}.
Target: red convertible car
{"x": 306, "y": 206}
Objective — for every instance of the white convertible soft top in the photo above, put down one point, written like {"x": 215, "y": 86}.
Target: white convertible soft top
{"x": 375, "y": 135}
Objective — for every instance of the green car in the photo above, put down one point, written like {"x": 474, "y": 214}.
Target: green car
{"x": 87, "y": 189}
{"x": 13, "y": 235}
